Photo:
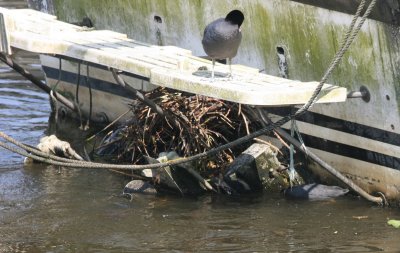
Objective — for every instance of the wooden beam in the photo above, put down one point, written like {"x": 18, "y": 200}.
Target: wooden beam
{"x": 171, "y": 67}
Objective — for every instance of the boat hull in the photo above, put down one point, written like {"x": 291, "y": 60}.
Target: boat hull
{"x": 96, "y": 88}
{"x": 359, "y": 137}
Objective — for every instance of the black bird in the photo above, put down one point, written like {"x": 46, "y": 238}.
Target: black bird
{"x": 222, "y": 38}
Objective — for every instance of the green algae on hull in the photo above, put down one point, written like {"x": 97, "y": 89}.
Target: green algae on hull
{"x": 310, "y": 37}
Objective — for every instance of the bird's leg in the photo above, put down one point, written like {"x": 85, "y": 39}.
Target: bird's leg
{"x": 212, "y": 71}
{"x": 229, "y": 61}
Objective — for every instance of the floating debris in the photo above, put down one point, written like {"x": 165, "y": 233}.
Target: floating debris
{"x": 314, "y": 192}
{"x": 394, "y": 223}
{"x": 139, "y": 186}
{"x": 361, "y": 217}
{"x": 53, "y": 146}
{"x": 249, "y": 172}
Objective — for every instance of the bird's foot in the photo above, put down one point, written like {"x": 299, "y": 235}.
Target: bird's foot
{"x": 228, "y": 77}
{"x": 208, "y": 79}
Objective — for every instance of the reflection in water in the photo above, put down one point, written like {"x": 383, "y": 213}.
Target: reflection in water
{"x": 24, "y": 109}
{"x": 49, "y": 209}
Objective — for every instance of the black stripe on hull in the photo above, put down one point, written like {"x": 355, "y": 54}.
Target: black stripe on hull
{"x": 351, "y": 152}
{"x": 102, "y": 67}
{"x": 352, "y": 128}
{"x": 96, "y": 84}
{"x": 321, "y": 120}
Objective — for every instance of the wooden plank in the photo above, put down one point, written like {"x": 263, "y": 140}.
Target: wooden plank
{"x": 194, "y": 63}
{"x": 167, "y": 66}
{"x": 104, "y": 34}
{"x": 246, "y": 93}
{"x": 39, "y": 44}
{"x": 144, "y": 54}
{"x": 32, "y": 14}
{"x": 151, "y": 54}
{"x": 159, "y": 56}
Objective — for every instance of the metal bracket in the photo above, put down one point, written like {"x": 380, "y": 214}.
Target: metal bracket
{"x": 362, "y": 93}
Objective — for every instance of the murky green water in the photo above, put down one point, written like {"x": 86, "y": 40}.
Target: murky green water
{"x": 48, "y": 209}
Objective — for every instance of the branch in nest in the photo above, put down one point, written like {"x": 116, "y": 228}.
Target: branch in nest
{"x": 195, "y": 124}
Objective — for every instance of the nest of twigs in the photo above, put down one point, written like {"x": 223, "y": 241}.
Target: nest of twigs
{"x": 194, "y": 124}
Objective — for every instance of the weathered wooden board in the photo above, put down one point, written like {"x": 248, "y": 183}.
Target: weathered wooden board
{"x": 166, "y": 66}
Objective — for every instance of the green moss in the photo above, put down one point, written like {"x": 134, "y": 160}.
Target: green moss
{"x": 260, "y": 24}
{"x": 70, "y": 11}
{"x": 306, "y": 46}
{"x": 309, "y": 43}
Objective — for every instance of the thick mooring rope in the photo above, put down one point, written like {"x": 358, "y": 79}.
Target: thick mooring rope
{"x": 53, "y": 160}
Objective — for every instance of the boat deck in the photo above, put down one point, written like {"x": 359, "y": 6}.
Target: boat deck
{"x": 166, "y": 66}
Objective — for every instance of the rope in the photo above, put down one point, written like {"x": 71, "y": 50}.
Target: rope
{"x": 53, "y": 90}
{"x": 349, "y": 38}
{"x": 379, "y": 200}
{"x": 90, "y": 96}
{"x": 33, "y": 150}
{"x": 55, "y": 104}
{"x": 78, "y": 83}
{"x": 292, "y": 170}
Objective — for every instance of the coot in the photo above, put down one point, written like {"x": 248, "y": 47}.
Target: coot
{"x": 222, "y": 38}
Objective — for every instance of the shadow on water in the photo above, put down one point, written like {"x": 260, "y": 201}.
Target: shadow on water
{"x": 49, "y": 209}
